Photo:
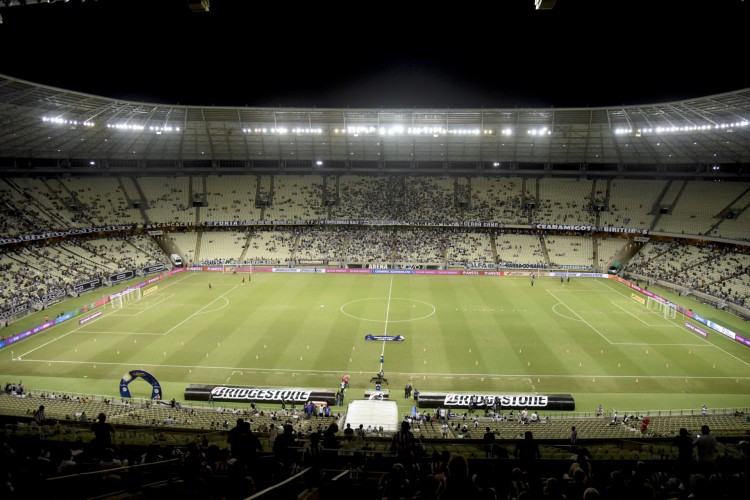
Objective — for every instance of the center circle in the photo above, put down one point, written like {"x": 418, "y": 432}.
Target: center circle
{"x": 398, "y": 310}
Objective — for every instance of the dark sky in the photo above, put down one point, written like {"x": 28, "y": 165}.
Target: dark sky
{"x": 413, "y": 54}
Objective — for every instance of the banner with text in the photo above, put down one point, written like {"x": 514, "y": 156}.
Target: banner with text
{"x": 237, "y": 394}
{"x": 557, "y": 402}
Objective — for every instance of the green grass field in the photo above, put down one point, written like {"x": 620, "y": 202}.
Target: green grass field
{"x": 463, "y": 333}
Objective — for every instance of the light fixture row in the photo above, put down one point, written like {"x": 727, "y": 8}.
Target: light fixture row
{"x": 115, "y": 126}
{"x": 396, "y": 130}
{"x": 675, "y": 129}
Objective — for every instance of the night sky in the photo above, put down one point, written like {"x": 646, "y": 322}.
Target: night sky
{"x": 409, "y": 54}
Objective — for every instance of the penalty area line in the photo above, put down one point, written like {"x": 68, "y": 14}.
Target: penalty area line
{"x": 200, "y": 310}
{"x": 579, "y": 317}
{"x": 676, "y": 323}
{"x": 232, "y": 375}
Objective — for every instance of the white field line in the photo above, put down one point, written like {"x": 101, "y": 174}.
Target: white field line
{"x": 579, "y": 317}
{"x": 387, "y": 315}
{"x": 199, "y": 310}
{"x": 524, "y": 377}
{"x": 226, "y": 303}
{"x": 144, "y": 309}
{"x": 164, "y": 298}
{"x": 676, "y": 323}
{"x": 639, "y": 319}
{"x": 554, "y": 310}
{"x": 648, "y": 344}
{"x": 104, "y": 314}
{"x": 110, "y": 332}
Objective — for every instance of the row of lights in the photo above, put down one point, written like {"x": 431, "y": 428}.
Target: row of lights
{"x": 352, "y": 130}
{"x": 159, "y": 130}
{"x": 116, "y": 126}
{"x": 125, "y": 126}
{"x": 282, "y": 130}
{"x": 8, "y": 3}
{"x": 62, "y": 121}
{"x": 539, "y": 131}
{"x": 673, "y": 129}
{"x": 139, "y": 128}
{"x": 357, "y": 130}
{"x": 495, "y": 164}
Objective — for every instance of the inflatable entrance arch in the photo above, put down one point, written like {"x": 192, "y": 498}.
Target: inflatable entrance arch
{"x": 134, "y": 374}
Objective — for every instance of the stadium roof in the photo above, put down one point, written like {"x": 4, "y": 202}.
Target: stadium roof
{"x": 43, "y": 122}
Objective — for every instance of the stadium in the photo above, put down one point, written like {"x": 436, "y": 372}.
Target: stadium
{"x": 177, "y": 268}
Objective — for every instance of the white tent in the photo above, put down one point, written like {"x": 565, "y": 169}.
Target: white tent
{"x": 375, "y": 413}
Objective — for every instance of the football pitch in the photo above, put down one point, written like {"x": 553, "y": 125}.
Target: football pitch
{"x": 483, "y": 334}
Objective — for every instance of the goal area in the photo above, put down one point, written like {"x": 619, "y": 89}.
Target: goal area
{"x": 120, "y": 299}
{"x": 661, "y": 308}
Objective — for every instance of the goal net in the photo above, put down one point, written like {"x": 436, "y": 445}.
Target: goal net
{"x": 119, "y": 300}
{"x": 661, "y": 308}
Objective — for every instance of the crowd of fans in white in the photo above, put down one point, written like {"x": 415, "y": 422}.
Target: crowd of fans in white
{"x": 719, "y": 271}
{"x": 40, "y": 274}
{"x": 38, "y": 271}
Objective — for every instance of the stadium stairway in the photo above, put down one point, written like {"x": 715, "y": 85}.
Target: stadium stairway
{"x": 656, "y": 210}
{"x": 722, "y": 216}
{"x": 144, "y": 199}
{"x": 544, "y": 249}
{"x": 198, "y": 240}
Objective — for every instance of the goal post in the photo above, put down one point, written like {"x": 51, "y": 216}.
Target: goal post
{"x": 237, "y": 268}
{"x": 662, "y": 308}
{"x": 653, "y": 304}
{"x": 120, "y": 299}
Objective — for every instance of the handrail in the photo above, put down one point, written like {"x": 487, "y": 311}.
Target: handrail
{"x": 107, "y": 471}
{"x": 278, "y": 485}
{"x": 675, "y": 412}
